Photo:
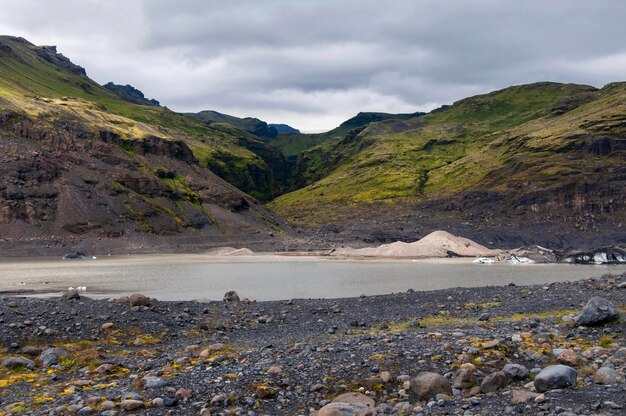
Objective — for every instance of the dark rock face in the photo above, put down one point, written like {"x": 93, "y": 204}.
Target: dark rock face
{"x": 597, "y": 311}
{"x": 130, "y": 94}
{"x": 64, "y": 180}
{"x": 50, "y": 54}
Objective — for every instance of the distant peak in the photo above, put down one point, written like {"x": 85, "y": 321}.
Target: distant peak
{"x": 131, "y": 94}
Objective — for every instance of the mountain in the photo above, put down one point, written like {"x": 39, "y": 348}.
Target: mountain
{"x": 130, "y": 94}
{"x": 77, "y": 161}
{"x": 292, "y": 144}
{"x": 251, "y": 125}
{"x": 533, "y": 163}
{"x": 284, "y": 129}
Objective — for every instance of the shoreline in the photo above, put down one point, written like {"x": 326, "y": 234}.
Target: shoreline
{"x": 293, "y": 357}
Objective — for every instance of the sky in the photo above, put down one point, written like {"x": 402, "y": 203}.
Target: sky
{"x": 313, "y": 64}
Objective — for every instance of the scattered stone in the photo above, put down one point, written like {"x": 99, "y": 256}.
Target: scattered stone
{"x": 522, "y": 396}
{"x": 183, "y": 394}
{"x": 568, "y": 357}
{"x": 104, "y": 368}
{"x": 354, "y": 398}
{"x": 555, "y": 377}
{"x": 264, "y": 392}
{"x": 597, "y": 311}
{"x": 152, "y": 382}
{"x": 107, "y": 405}
{"x": 428, "y": 385}
{"x": 31, "y": 351}
{"x": 346, "y": 409}
{"x": 13, "y": 363}
{"x": 210, "y": 350}
{"x": 108, "y": 326}
{"x": 131, "y": 404}
{"x": 51, "y": 356}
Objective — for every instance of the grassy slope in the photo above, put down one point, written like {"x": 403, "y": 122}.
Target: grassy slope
{"x": 291, "y": 145}
{"x": 495, "y": 141}
{"x": 30, "y": 84}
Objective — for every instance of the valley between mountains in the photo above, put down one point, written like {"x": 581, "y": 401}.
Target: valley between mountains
{"x": 104, "y": 168}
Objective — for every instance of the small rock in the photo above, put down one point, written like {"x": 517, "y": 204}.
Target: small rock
{"x": 522, "y": 396}
{"x": 107, "y": 405}
{"x": 346, "y": 409}
{"x": 354, "y": 398}
{"x": 130, "y": 404}
{"x": 183, "y": 394}
{"x": 264, "y": 392}
{"x": 107, "y": 326}
{"x": 152, "y": 382}
{"x": 104, "y": 368}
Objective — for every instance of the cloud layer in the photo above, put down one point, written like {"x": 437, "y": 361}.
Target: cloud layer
{"x": 313, "y": 64}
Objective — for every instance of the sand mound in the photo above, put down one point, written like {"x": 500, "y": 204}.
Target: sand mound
{"x": 230, "y": 251}
{"x": 435, "y": 244}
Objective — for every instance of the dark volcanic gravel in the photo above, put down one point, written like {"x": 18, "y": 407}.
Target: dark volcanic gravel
{"x": 293, "y": 357}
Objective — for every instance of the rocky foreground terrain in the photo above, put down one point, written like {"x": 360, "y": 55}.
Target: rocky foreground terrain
{"x": 540, "y": 350}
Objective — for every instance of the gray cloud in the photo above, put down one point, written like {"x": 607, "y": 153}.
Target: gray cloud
{"x": 313, "y": 64}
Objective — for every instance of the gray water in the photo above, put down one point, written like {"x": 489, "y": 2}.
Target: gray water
{"x": 187, "y": 277}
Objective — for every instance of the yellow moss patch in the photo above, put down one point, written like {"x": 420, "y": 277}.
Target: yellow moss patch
{"x": 15, "y": 378}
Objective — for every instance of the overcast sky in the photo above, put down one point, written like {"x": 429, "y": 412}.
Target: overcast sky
{"x": 313, "y": 64}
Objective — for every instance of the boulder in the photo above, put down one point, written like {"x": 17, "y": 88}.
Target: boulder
{"x": 346, "y": 409}
{"x": 568, "y": 357}
{"x": 494, "y": 382}
{"x": 428, "y": 385}
{"x": 619, "y": 358}
{"x": 231, "y": 296}
{"x": 13, "y": 363}
{"x": 71, "y": 295}
{"x": 515, "y": 372}
{"x": 51, "y": 356}
{"x": 555, "y": 377}
{"x": 464, "y": 378}
{"x": 607, "y": 375}
{"x": 597, "y": 311}
{"x": 137, "y": 299}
